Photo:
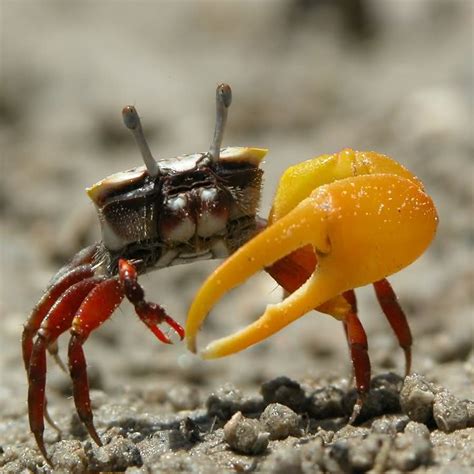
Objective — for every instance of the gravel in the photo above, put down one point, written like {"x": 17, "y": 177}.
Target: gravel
{"x": 280, "y": 421}
{"x": 450, "y": 413}
{"x": 417, "y": 397}
{"x": 286, "y": 392}
{"x": 308, "y": 78}
{"x": 245, "y": 435}
{"x": 327, "y": 402}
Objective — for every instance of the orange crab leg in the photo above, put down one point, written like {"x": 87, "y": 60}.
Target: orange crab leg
{"x": 361, "y": 228}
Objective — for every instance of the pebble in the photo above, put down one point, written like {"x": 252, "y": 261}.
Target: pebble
{"x": 389, "y": 424}
{"x": 416, "y": 399}
{"x": 245, "y": 435}
{"x": 363, "y": 452}
{"x": 280, "y": 421}
{"x": 118, "y": 455}
{"x": 326, "y": 402}
{"x": 383, "y": 398}
{"x": 336, "y": 458}
{"x": 412, "y": 448}
{"x": 450, "y": 413}
{"x": 286, "y": 392}
{"x": 417, "y": 429}
{"x": 227, "y": 400}
{"x": 69, "y": 456}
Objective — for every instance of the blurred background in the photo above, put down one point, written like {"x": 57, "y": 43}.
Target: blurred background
{"x": 308, "y": 77}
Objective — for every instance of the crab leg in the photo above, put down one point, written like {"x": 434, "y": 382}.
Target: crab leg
{"x": 396, "y": 317}
{"x": 96, "y": 308}
{"x": 367, "y": 252}
{"x": 77, "y": 269}
{"x": 151, "y": 314}
{"x": 42, "y": 309}
{"x": 57, "y": 321}
{"x": 358, "y": 347}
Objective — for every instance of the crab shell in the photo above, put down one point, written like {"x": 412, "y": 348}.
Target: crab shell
{"x": 194, "y": 209}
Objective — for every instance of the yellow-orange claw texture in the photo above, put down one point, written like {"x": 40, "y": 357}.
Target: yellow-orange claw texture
{"x": 370, "y": 220}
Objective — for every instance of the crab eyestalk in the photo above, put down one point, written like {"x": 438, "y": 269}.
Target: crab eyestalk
{"x": 223, "y": 101}
{"x": 133, "y": 123}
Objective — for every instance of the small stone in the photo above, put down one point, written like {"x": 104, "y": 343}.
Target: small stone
{"x": 280, "y": 421}
{"x": 417, "y": 429}
{"x": 227, "y": 400}
{"x": 69, "y": 456}
{"x": 450, "y": 413}
{"x": 245, "y": 435}
{"x": 183, "y": 397}
{"x": 411, "y": 449}
{"x": 416, "y": 399}
{"x": 390, "y": 424}
{"x": 383, "y": 398}
{"x": 387, "y": 387}
{"x": 326, "y": 402}
{"x": 336, "y": 458}
{"x": 118, "y": 455}
{"x": 285, "y": 391}
{"x": 362, "y": 452}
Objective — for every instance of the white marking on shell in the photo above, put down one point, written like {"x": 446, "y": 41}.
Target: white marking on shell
{"x": 185, "y": 229}
{"x": 177, "y": 203}
{"x": 210, "y": 222}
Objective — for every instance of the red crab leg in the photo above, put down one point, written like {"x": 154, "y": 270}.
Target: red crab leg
{"x": 396, "y": 317}
{"x": 151, "y": 314}
{"x": 357, "y": 339}
{"x": 58, "y": 287}
{"x": 96, "y": 308}
{"x": 358, "y": 348}
{"x": 57, "y": 321}
{"x": 84, "y": 256}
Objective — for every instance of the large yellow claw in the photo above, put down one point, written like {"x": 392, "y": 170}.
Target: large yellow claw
{"x": 369, "y": 221}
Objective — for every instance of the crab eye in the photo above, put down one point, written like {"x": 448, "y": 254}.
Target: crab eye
{"x": 131, "y": 119}
{"x": 223, "y": 101}
{"x": 224, "y": 94}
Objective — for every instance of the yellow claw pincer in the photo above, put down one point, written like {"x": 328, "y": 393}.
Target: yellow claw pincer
{"x": 337, "y": 222}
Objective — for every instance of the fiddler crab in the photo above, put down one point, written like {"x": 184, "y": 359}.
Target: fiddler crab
{"x": 337, "y": 222}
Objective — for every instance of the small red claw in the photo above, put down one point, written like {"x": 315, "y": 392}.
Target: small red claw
{"x": 176, "y": 326}
{"x": 151, "y": 314}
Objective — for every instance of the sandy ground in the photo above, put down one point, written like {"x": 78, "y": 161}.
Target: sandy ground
{"x": 308, "y": 78}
